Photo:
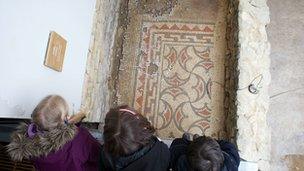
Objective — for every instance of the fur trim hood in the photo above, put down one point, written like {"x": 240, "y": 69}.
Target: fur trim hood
{"x": 23, "y": 147}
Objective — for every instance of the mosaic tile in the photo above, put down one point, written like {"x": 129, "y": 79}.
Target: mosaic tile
{"x": 173, "y": 82}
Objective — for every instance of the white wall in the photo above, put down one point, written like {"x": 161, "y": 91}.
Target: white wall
{"x": 286, "y": 112}
{"x": 24, "y": 31}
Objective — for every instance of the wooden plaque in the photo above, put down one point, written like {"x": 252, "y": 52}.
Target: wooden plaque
{"x": 55, "y": 52}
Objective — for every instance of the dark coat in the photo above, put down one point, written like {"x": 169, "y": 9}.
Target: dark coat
{"x": 153, "y": 157}
{"x": 66, "y": 148}
{"x": 231, "y": 155}
{"x": 179, "y": 161}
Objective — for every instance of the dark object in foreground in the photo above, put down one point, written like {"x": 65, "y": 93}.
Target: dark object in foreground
{"x": 7, "y": 164}
{"x": 203, "y": 153}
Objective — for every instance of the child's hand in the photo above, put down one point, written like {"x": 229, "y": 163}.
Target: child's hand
{"x": 77, "y": 117}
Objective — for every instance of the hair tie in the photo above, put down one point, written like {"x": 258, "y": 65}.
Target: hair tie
{"x": 127, "y": 110}
{"x": 66, "y": 121}
{"x": 32, "y": 130}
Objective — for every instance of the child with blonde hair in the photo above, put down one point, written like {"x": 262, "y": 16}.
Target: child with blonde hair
{"x": 53, "y": 141}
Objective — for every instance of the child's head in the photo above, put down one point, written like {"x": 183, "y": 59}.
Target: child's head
{"x": 50, "y": 112}
{"x": 126, "y": 131}
{"x": 205, "y": 154}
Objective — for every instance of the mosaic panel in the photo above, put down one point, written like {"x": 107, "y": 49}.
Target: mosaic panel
{"x": 173, "y": 80}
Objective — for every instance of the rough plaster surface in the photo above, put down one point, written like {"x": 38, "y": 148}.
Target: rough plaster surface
{"x": 95, "y": 96}
{"x": 231, "y": 72}
{"x": 286, "y": 114}
{"x": 253, "y": 65}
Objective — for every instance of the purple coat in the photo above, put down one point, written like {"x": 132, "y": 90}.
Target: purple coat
{"x": 72, "y": 148}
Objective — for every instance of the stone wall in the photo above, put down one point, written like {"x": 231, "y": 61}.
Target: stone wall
{"x": 252, "y": 98}
{"x": 247, "y": 80}
{"x": 117, "y": 55}
{"x": 96, "y": 92}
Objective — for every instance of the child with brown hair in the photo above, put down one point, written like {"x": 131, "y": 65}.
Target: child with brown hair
{"x": 203, "y": 154}
{"x": 130, "y": 143}
{"x": 54, "y": 142}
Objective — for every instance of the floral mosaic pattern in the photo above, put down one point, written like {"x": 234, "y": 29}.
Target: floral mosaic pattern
{"x": 173, "y": 80}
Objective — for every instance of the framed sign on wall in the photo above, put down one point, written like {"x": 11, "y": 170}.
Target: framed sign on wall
{"x": 55, "y": 51}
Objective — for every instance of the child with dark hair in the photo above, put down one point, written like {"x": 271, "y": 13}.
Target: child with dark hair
{"x": 52, "y": 140}
{"x": 130, "y": 143}
{"x": 203, "y": 154}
